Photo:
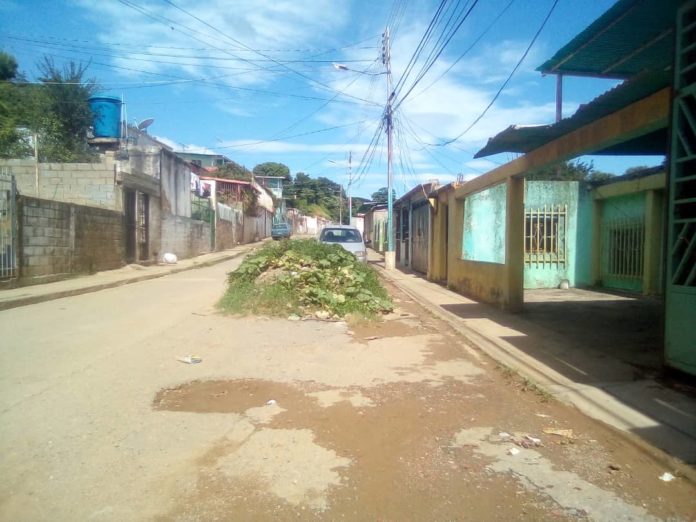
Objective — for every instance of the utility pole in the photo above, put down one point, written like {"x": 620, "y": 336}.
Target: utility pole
{"x": 340, "y": 204}
{"x": 350, "y": 182}
{"x": 390, "y": 254}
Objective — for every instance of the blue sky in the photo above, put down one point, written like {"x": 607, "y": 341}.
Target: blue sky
{"x": 254, "y": 79}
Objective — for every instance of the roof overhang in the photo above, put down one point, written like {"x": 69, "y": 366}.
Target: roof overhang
{"x": 523, "y": 139}
{"x": 638, "y": 119}
{"x": 631, "y": 37}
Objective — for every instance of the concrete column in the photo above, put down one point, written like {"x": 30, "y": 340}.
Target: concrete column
{"x": 514, "y": 244}
{"x": 652, "y": 242}
{"x": 456, "y": 233}
{"x": 409, "y": 245}
{"x": 597, "y": 242}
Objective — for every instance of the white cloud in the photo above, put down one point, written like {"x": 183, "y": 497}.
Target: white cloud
{"x": 224, "y": 52}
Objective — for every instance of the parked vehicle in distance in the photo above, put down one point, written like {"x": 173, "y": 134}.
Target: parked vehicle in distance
{"x": 348, "y": 237}
{"x": 281, "y": 231}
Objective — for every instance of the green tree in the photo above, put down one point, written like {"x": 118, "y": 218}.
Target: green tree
{"x": 61, "y": 115}
{"x": 233, "y": 170}
{"x": 381, "y": 196}
{"x": 8, "y": 67}
{"x": 55, "y": 110}
{"x": 13, "y": 142}
{"x": 320, "y": 197}
{"x": 271, "y": 168}
{"x": 569, "y": 171}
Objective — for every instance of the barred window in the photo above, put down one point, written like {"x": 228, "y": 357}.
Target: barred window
{"x": 545, "y": 234}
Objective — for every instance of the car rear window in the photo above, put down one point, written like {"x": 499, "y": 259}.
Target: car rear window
{"x": 340, "y": 235}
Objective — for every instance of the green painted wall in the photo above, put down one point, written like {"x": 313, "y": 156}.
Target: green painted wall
{"x": 483, "y": 237}
{"x": 630, "y": 207}
{"x": 583, "y": 238}
{"x": 540, "y": 194}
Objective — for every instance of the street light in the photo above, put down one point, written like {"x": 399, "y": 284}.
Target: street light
{"x": 343, "y": 67}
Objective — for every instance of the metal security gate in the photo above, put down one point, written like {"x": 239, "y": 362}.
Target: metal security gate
{"x": 420, "y": 233}
{"x": 142, "y": 215}
{"x": 680, "y": 291}
{"x": 8, "y": 227}
{"x": 622, "y": 254}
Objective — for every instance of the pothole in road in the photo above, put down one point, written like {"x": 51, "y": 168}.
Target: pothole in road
{"x": 227, "y": 396}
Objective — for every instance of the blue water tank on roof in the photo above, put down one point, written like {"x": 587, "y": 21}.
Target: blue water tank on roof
{"x": 107, "y": 116}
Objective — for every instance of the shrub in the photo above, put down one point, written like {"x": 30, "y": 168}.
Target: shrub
{"x": 304, "y": 276}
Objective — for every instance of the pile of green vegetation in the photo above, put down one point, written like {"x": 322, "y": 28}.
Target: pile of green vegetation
{"x": 301, "y": 277}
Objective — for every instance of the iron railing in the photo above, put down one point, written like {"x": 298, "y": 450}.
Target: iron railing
{"x": 545, "y": 230}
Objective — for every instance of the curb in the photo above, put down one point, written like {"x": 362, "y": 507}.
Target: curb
{"x": 540, "y": 378}
{"x": 90, "y": 288}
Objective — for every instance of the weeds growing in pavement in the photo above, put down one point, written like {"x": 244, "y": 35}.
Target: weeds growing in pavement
{"x": 525, "y": 384}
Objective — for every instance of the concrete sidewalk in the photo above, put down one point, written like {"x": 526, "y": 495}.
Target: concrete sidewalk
{"x": 27, "y": 295}
{"x": 655, "y": 415}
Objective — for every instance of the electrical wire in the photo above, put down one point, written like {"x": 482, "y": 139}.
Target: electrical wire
{"x": 83, "y": 49}
{"x": 502, "y": 87}
{"x": 111, "y": 44}
{"x": 468, "y": 49}
{"x": 261, "y": 142}
{"x": 419, "y": 48}
{"x": 434, "y": 56}
{"x": 260, "y": 53}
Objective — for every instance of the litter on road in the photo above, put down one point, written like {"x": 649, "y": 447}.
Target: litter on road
{"x": 568, "y": 434}
{"x": 189, "y": 359}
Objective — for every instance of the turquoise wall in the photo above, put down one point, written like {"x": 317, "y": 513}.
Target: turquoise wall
{"x": 484, "y": 225}
{"x": 553, "y": 193}
{"x": 583, "y": 239}
{"x": 620, "y": 208}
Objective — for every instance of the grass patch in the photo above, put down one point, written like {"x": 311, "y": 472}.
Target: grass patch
{"x": 302, "y": 277}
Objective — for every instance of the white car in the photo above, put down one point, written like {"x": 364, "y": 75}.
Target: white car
{"x": 348, "y": 237}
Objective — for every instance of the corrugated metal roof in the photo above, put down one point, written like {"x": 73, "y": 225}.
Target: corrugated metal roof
{"x": 526, "y": 138}
{"x": 418, "y": 192}
{"x": 631, "y": 37}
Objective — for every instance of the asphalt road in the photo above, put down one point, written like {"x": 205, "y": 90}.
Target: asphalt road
{"x": 77, "y": 379}
{"x": 289, "y": 420}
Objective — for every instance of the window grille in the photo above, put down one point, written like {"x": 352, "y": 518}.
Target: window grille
{"x": 624, "y": 242}
{"x": 545, "y": 235}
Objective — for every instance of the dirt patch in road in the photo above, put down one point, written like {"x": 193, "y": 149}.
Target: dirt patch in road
{"x": 227, "y": 396}
{"x": 415, "y": 449}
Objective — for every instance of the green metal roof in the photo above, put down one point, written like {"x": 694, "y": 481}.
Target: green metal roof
{"x": 527, "y": 138}
{"x": 631, "y": 37}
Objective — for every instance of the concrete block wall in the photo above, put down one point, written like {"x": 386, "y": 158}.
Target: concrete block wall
{"x": 58, "y": 239}
{"x": 185, "y": 237}
{"x": 226, "y": 234}
{"x": 228, "y": 226}
{"x": 89, "y": 184}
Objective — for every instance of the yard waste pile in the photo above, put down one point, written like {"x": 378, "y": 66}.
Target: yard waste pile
{"x": 305, "y": 277}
